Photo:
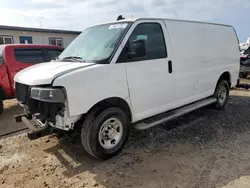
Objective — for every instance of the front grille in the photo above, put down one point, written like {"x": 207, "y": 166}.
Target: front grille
{"x": 21, "y": 92}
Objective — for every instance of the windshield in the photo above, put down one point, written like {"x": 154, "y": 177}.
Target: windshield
{"x": 95, "y": 43}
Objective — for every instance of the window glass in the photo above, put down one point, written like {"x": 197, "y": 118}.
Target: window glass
{"x": 247, "y": 51}
{"x": 1, "y": 40}
{"x": 1, "y": 57}
{"x": 52, "y": 54}
{"x": 154, "y": 42}
{"x": 59, "y": 42}
{"x": 56, "y": 41}
{"x": 8, "y": 40}
{"x": 96, "y": 44}
{"x": 52, "y": 41}
{"x": 32, "y": 56}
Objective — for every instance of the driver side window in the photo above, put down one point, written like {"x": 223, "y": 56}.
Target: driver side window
{"x": 155, "y": 46}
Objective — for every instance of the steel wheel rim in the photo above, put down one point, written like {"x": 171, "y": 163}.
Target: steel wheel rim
{"x": 110, "y": 133}
{"x": 222, "y": 94}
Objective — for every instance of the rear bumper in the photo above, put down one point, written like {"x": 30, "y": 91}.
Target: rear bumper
{"x": 35, "y": 129}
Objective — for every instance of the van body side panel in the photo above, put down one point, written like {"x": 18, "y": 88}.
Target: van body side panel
{"x": 186, "y": 41}
{"x": 225, "y": 50}
{"x": 90, "y": 85}
{"x": 201, "y": 53}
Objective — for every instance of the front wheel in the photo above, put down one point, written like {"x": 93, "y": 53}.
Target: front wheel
{"x": 221, "y": 94}
{"x": 104, "y": 134}
{"x": 1, "y": 106}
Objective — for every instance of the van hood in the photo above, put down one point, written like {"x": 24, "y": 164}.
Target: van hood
{"x": 45, "y": 73}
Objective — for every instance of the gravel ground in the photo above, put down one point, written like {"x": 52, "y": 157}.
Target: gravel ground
{"x": 7, "y": 125}
{"x": 206, "y": 148}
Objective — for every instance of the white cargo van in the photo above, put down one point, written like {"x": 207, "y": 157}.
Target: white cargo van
{"x": 129, "y": 74}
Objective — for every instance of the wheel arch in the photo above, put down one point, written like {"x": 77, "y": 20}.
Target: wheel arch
{"x": 114, "y": 102}
{"x": 224, "y": 76}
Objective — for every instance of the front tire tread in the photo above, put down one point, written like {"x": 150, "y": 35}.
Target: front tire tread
{"x": 90, "y": 131}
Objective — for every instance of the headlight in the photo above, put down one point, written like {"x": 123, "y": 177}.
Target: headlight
{"x": 55, "y": 95}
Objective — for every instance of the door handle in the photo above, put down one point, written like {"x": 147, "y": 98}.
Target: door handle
{"x": 170, "y": 68}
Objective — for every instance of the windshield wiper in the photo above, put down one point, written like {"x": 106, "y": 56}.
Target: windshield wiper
{"x": 74, "y": 58}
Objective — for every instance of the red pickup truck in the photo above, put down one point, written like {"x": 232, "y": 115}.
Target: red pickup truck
{"x": 15, "y": 57}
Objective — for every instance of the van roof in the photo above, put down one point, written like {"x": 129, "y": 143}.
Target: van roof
{"x": 31, "y": 45}
{"x": 180, "y": 20}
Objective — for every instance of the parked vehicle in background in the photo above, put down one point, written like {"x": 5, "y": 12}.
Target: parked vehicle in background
{"x": 15, "y": 57}
{"x": 246, "y": 51}
{"x": 244, "y": 48}
{"x": 129, "y": 74}
{"x": 244, "y": 65}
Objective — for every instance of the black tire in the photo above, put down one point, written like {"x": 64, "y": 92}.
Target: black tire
{"x": 90, "y": 132}
{"x": 1, "y": 106}
{"x": 238, "y": 82}
{"x": 245, "y": 75}
{"x": 223, "y": 85}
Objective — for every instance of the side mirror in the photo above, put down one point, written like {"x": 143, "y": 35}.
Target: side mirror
{"x": 138, "y": 48}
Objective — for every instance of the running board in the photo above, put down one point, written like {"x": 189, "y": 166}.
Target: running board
{"x": 162, "y": 118}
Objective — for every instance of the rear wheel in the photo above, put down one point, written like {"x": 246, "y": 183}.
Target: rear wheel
{"x": 104, "y": 134}
{"x": 243, "y": 75}
{"x": 1, "y": 106}
{"x": 221, "y": 94}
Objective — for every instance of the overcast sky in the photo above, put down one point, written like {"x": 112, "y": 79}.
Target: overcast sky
{"x": 79, "y": 14}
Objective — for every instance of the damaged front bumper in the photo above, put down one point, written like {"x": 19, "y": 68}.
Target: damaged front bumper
{"x": 36, "y": 129}
{"x": 39, "y": 128}
{"x": 45, "y": 110}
